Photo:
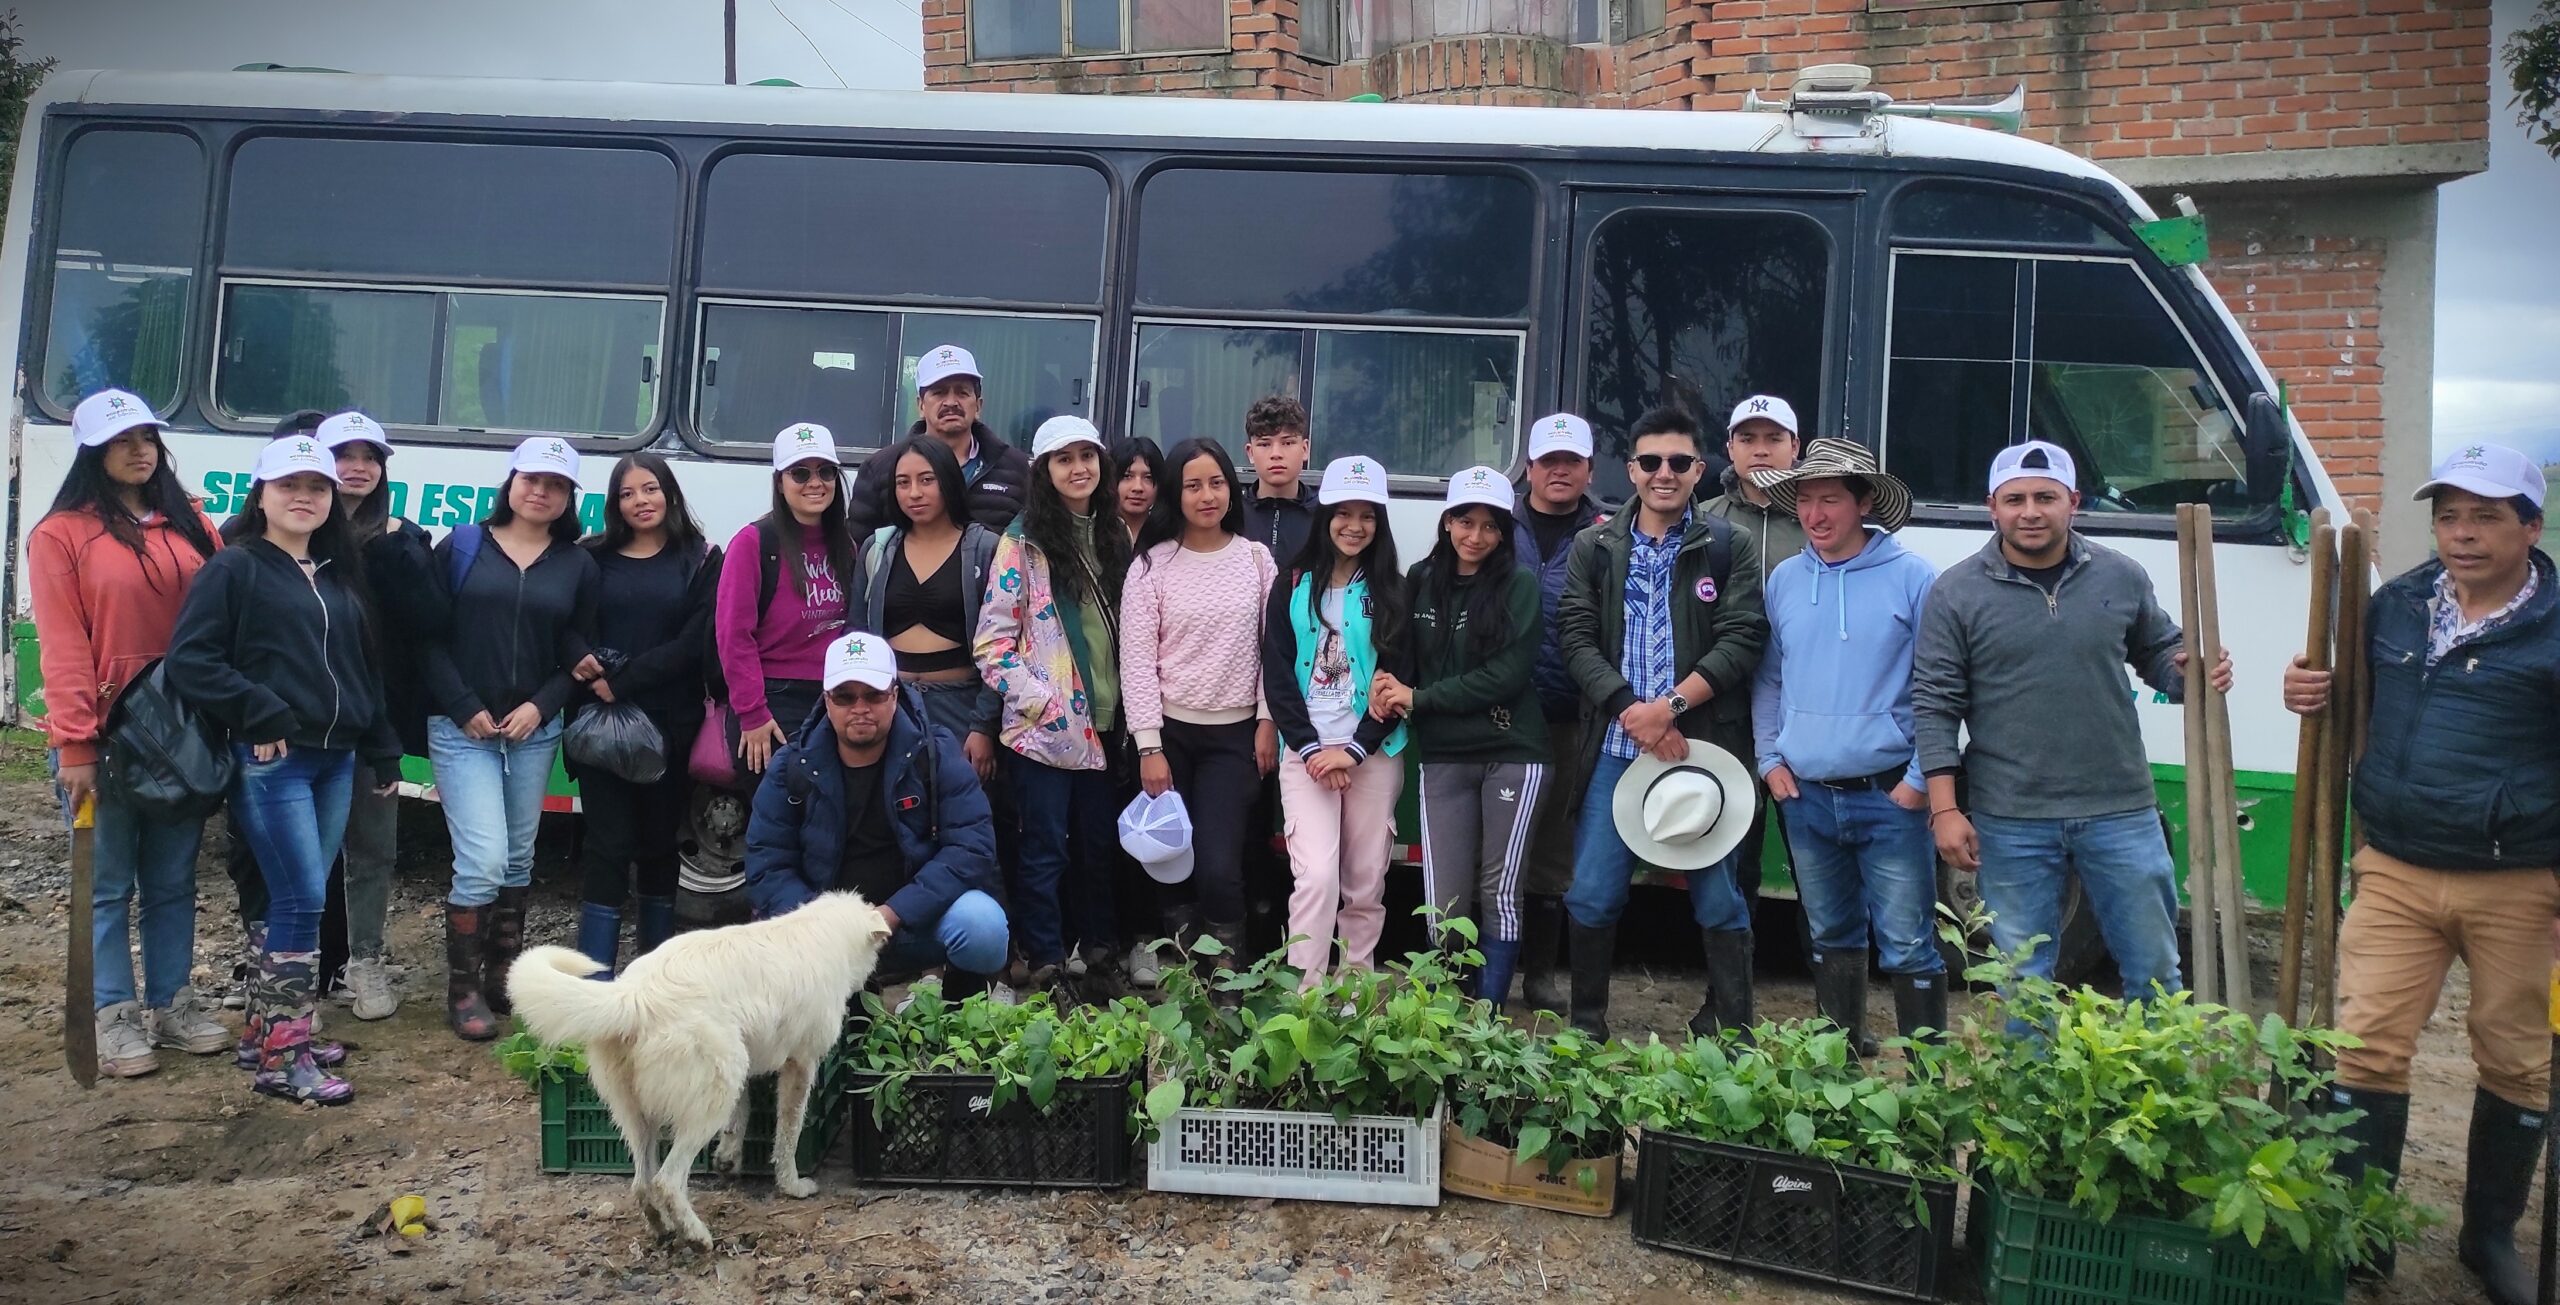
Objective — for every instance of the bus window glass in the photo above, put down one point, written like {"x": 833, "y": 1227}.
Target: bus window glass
{"x": 864, "y": 228}
{"x": 1337, "y": 242}
{"x": 1697, "y": 310}
{"x": 432, "y": 210}
{"x": 1423, "y": 403}
{"x": 1996, "y": 214}
{"x": 1947, "y": 404}
{"x": 550, "y": 363}
{"x": 1196, "y": 381}
{"x": 126, "y": 244}
{"x": 765, "y": 368}
{"x": 1035, "y": 367}
{"x": 290, "y": 347}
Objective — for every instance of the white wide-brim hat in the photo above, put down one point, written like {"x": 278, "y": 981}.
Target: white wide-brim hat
{"x": 1688, "y": 814}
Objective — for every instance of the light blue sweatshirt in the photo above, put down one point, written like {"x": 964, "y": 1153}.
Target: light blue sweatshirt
{"x": 1832, "y": 698}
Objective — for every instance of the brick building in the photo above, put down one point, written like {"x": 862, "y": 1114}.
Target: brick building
{"x": 2313, "y": 132}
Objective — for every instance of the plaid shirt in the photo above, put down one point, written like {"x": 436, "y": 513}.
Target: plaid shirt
{"x": 2445, "y": 626}
{"x": 1646, "y": 658}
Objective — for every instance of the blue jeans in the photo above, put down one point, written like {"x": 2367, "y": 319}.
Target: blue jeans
{"x": 970, "y": 937}
{"x": 128, "y": 856}
{"x": 492, "y": 794}
{"x": 1865, "y": 870}
{"x": 1068, "y": 838}
{"x": 293, "y": 812}
{"x": 1603, "y": 867}
{"x": 2125, "y": 876}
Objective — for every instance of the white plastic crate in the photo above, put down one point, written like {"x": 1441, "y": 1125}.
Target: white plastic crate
{"x": 1369, "y": 1160}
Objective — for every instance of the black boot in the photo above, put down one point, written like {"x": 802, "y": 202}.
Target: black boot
{"x": 1541, "y": 929}
{"x": 2379, "y": 1137}
{"x": 466, "y": 946}
{"x": 1592, "y": 950}
{"x": 1920, "y": 1002}
{"x": 506, "y": 939}
{"x": 1728, "y": 999}
{"x": 1840, "y": 994}
{"x": 2506, "y": 1145}
{"x": 1232, "y": 959}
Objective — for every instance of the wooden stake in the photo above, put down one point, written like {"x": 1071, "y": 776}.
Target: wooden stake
{"x": 2306, "y": 775}
{"x": 2205, "y": 977}
{"x": 2347, "y": 658}
{"x": 2230, "y": 897}
{"x": 2357, "y": 588}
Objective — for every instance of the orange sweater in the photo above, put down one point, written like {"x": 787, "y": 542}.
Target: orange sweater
{"x": 102, "y": 614}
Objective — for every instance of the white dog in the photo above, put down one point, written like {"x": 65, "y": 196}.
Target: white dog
{"x": 671, "y": 1042}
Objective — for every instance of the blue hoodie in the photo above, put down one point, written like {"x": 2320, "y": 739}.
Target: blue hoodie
{"x": 1832, "y": 698}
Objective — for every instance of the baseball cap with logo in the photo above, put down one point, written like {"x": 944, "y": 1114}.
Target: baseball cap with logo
{"x": 546, "y": 455}
{"x": 1059, "y": 432}
{"x": 352, "y": 428}
{"x": 109, "y": 413}
{"x": 1478, "y": 485}
{"x": 2034, "y": 458}
{"x": 2488, "y": 470}
{"x": 1764, "y": 407}
{"x": 942, "y": 362}
{"x": 1561, "y": 433}
{"x": 862, "y": 657}
{"x": 294, "y": 455}
{"x": 1357, "y": 478}
{"x": 804, "y": 441}
{"x": 1156, "y": 833}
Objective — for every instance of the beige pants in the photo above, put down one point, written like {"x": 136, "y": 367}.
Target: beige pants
{"x": 2403, "y": 931}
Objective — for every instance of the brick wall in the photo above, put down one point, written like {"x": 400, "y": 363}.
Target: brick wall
{"x": 2312, "y": 304}
{"x": 1261, "y": 62}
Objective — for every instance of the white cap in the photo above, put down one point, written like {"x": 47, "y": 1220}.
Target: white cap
{"x": 546, "y": 455}
{"x": 2488, "y": 470}
{"x": 109, "y": 413}
{"x": 1357, "y": 478}
{"x": 292, "y": 455}
{"x": 2034, "y": 458}
{"x": 1478, "y": 485}
{"x": 352, "y": 428}
{"x": 1156, "y": 833}
{"x": 860, "y": 656}
{"x": 1059, "y": 432}
{"x": 803, "y": 442}
{"x": 1561, "y": 433}
{"x": 942, "y": 362}
{"x": 1764, "y": 407}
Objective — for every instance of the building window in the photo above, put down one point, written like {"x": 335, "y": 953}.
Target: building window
{"x": 124, "y": 260}
{"x": 1643, "y": 17}
{"x": 1049, "y": 29}
{"x": 1320, "y": 30}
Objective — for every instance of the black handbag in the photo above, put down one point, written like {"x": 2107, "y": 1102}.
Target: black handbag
{"x": 167, "y": 760}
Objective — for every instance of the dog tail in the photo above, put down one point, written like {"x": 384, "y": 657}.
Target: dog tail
{"x": 557, "y": 1001}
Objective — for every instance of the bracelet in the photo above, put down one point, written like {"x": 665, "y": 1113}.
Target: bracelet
{"x": 1150, "y": 752}
{"x": 1946, "y": 811}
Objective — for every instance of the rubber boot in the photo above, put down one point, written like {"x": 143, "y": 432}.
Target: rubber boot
{"x": 1728, "y": 1000}
{"x": 326, "y": 1054}
{"x": 655, "y": 923}
{"x": 1541, "y": 931}
{"x": 1840, "y": 994}
{"x": 506, "y": 939}
{"x": 466, "y": 948}
{"x": 285, "y": 1068}
{"x": 1501, "y": 960}
{"x": 1591, "y": 950}
{"x": 2380, "y": 1137}
{"x": 1920, "y": 1003}
{"x": 1228, "y": 962}
{"x": 2506, "y": 1145}
{"x": 599, "y": 936}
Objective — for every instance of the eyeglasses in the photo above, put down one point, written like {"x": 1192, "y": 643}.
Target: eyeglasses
{"x": 825, "y": 471}
{"x": 1649, "y": 463}
{"x": 858, "y": 695}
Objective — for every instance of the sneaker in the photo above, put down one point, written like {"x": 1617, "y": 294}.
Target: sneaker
{"x": 369, "y": 984}
{"x": 124, "y": 1049}
{"x": 188, "y": 1025}
{"x": 1002, "y": 994}
{"x": 1144, "y": 972}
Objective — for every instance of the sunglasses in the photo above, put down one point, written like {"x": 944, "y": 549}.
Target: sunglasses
{"x": 857, "y": 695}
{"x": 825, "y": 471}
{"x": 1649, "y": 463}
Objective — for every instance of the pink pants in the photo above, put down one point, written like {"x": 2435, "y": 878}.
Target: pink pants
{"x": 1338, "y": 848}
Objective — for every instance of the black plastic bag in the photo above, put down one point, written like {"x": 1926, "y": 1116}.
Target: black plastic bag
{"x": 618, "y": 739}
{"x": 162, "y": 757}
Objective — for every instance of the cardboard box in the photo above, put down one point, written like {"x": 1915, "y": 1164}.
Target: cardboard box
{"x": 1471, "y": 1166}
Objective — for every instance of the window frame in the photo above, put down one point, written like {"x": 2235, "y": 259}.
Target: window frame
{"x": 35, "y": 335}
{"x": 1067, "y": 51}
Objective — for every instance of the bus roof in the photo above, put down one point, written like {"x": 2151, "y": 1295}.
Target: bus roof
{"x": 1099, "y": 116}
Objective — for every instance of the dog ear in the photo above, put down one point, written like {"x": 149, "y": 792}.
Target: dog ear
{"x": 879, "y": 926}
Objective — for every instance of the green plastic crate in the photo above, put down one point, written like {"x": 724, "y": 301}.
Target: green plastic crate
{"x": 579, "y": 1136}
{"x": 2039, "y": 1252}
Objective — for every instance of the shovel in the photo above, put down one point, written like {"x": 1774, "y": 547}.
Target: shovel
{"x": 79, "y": 975}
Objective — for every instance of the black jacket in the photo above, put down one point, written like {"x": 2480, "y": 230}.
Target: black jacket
{"x": 995, "y": 497}
{"x": 513, "y": 635}
{"x": 1279, "y": 524}
{"x": 1287, "y": 698}
{"x": 273, "y": 655}
{"x": 664, "y": 678}
{"x": 413, "y": 609}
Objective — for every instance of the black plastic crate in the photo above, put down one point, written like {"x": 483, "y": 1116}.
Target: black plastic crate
{"x": 1841, "y": 1224}
{"x": 945, "y": 1133}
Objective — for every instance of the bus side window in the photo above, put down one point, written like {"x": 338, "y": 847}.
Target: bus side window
{"x": 125, "y": 251}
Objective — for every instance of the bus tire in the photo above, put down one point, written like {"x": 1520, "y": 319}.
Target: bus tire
{"x": 2080, "y": 953}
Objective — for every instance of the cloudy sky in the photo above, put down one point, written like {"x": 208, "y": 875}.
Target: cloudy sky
{"x": 2498, "y": 288}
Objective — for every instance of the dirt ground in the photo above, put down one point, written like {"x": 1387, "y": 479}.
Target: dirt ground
{"x": 183, "y": 1186}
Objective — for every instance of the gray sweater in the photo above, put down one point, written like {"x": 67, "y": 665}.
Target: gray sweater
{"x": 2039, "y": 685}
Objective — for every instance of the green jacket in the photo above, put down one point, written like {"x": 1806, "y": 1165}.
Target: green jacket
{"x": 1719, "y": 639}
{"x": 1469, "y": 710}
{"x": 1778, "y": 535}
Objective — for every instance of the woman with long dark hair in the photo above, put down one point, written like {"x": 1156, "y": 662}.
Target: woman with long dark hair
{"x": 1478, "y": 731}
{"x": 109, "y": 566}
{"x": 656, "y": 573}
{"x": 275, "y": 643}
{"x": 1048, "y": 643}
{"x": 1140, "y": 466}
{"x": 1134, "y": 491}
{"x": 787, "y": 587}
{"x": 1191, "y": 681}
{"x": 524, "y": 612}
{"x": 924, "y": 576}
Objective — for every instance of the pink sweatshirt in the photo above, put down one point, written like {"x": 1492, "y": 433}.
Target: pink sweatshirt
{"x": 787, "y": 640}
{"x": 1191, "y": 637}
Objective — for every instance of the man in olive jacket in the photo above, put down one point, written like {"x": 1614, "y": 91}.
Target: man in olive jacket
{"x": 1661, "y": 629}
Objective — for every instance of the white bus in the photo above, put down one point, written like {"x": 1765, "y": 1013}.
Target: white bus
{"x": 689, "y": 268}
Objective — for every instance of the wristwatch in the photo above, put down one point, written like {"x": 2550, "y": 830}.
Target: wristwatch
{"x": 1679, "y": 705}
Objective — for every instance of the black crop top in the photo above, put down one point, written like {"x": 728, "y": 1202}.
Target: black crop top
{"x": 933, "y": 603}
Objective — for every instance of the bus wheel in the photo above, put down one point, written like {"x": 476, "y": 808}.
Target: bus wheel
{"x": 2080, "y": 952}
{"x": 711, "y": 854}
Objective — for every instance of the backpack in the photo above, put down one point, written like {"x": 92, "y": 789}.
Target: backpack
{"x": 169, "y": 761}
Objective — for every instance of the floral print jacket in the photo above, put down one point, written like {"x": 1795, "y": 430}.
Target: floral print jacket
{"x": 1023, "y": 652}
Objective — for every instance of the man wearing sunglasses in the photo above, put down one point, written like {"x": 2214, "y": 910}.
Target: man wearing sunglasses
{"x": 1761, "y": 435}
{"x": 1661, "y": 629}
{"x": 950, "y": 394}
{"x": 871, "y": 797}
